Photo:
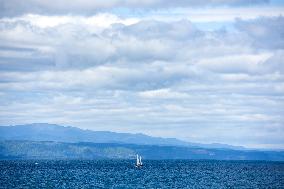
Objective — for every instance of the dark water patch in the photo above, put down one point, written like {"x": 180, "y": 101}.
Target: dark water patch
{"x": 154, "y": 174}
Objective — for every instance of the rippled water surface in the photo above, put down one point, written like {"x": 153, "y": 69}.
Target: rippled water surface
{"x": 154, "y": 174}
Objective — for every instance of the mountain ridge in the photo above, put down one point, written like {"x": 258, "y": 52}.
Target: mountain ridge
{"x": 54, "y": 132}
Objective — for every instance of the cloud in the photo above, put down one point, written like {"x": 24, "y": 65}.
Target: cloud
{"x": 65, "y": 45}
{"x": 163, "y": 94}
{"x": 18, "y": 7}
{"x": 150, "y": 29}
{"x": 265, "y": 32}
{"x": 147, "y": 55}
{"x": 165, "y": 78}
{"x": 68, "y": 46}
{"x": 244, "y": 63}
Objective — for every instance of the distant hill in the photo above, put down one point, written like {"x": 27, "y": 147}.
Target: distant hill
{"x": 83, "y": 150}
{"x": 53, "y": 132}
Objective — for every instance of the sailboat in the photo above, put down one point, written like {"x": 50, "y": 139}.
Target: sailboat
{"x": 138, "y": 161}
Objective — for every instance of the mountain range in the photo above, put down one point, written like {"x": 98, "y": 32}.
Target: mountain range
{"x": 53, "y": 132}
{"x": 50, "y": 141}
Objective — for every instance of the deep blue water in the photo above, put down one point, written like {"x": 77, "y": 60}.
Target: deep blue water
{"x": 154, "y": 174}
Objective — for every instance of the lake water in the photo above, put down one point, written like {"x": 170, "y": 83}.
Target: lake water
{"x": 154, "y": 174}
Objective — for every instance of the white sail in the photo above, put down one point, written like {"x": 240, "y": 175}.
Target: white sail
{"x": 137, "y": 160}
{"x": 140, "y": 161}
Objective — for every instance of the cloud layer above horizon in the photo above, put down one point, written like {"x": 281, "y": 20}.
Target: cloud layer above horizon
{"x": 87, "y": 7}
{"x": 201, "y": 71}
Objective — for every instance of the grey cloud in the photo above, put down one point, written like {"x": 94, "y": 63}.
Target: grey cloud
{"x": 4, "y": 48}
{"x": 142, "y": 42}
{"x": 18, "y": 7}
{"x": 144, "y": 77}
{"x": 275, "y": 64}
{"x": 68, "y": 46}
{"x": 26, "y": 64}
{"x": 180, "y": 30}
{"x": 264, "y": 32}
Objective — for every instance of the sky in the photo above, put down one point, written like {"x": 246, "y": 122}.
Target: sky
{"x": 208, "y": 71}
